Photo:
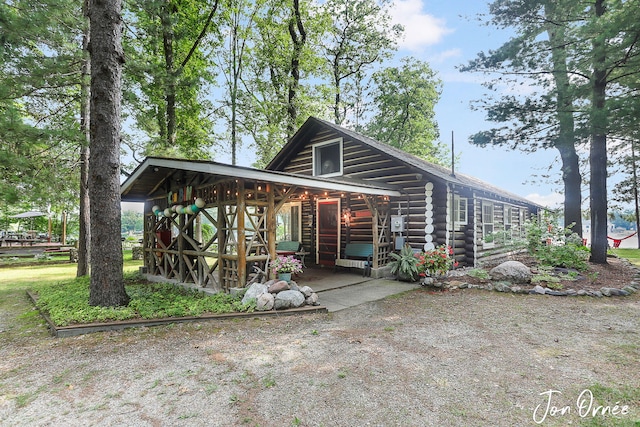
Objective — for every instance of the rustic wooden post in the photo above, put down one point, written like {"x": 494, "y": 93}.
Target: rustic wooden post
{"x": 271, "y": 223}
{"x": 373, "y": 207}
{"x": 182, "y": 266}
{"x": 242, "y": 240}
{"x": 221, "y": 233}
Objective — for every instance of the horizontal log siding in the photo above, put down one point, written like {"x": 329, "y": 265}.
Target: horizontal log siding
{"x": 462, "y": 240}
{"x": 363, "y": 163}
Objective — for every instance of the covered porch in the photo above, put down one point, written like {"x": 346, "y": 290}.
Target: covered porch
{"x": 207, "y": 223}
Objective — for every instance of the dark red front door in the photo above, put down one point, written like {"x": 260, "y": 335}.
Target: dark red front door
{"x": 328, "y": 229}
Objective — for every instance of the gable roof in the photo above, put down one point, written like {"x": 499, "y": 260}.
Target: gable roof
{"x": 313, "y": 125}
{"x": 147, "y": 179}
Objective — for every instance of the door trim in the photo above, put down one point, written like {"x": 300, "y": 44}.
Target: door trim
{"x": 318, "y": 203}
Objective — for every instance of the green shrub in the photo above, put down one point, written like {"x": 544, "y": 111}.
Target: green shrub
{"x": 555, "y": 246}
{"x": 405, "y": 264}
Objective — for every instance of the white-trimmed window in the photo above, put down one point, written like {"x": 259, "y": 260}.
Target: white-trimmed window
{"x": 487, "y": 224}
{"x": 508, "y": 224}
{"x": 327, "y": 158}
{"x": 289, "y": 222}
{"x": 459, "y": 211}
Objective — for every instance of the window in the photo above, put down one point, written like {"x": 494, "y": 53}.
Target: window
{"x": 327, "y": 158}
{"x": 289, "y": 222}
{"x": 508, "y": 212}
{"x": 459, "y": 211}
{"x": 487, "y": 225}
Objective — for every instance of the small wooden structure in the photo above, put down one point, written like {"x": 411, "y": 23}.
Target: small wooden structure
{"x": 337, "y": 187}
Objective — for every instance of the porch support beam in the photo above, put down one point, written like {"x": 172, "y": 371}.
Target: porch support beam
{"x": 372, "y": 204}
{"x": 271, "y": 224}
{"x": 242, "y": 240}
{"x": 221, "y": 233}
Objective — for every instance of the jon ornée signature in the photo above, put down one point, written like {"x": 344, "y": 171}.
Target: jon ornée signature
{"x": 584, "y": 407}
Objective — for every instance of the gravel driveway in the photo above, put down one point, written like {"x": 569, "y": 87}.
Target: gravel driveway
{"x": 463, "y": 358}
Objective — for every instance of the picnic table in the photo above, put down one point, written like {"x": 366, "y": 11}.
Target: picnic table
{"x": 22, "y": 242}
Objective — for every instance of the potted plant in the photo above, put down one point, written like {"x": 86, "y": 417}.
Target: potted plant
{"x": 405, "y": 264}
{"x": 285, "y": 266}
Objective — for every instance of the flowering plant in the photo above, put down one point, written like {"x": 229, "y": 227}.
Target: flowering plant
{"x": 436, "y": 261}
{"x": 286, "y": 264}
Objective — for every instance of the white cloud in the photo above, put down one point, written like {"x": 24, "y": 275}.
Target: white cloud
{"x": 420, "y": 29}
{"x": 552, "y": 200}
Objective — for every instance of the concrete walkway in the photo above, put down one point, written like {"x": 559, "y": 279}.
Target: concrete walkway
{"x": 348, "y": 288}
{"x": 339, "y": 298}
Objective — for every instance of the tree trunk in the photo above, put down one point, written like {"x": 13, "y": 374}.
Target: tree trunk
{"x": 295, "y": 27}
{"x": 598, "y": 150}
{"x": 170, "y": 89}
{"x": 635, "y": 190}
{"x": 84, "y": 237}
{"x": 565, "y": 142}
{"x": 107, "y": 57}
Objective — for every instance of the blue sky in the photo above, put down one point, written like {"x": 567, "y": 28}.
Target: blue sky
{"x": 446, "y": 34}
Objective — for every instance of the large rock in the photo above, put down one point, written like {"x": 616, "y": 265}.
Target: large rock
{"x": 279, "y": 286}
{"x": 306, "y": 290}
{"x": 265, "y": 302}
{"x": 312, "y": 299}
{"x": 254, "y": 292}
{"x": 511, "y": 271}
{"x": 289, "y": 299}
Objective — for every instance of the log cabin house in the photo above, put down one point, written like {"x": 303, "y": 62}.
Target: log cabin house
{"x": 206, "y": 222}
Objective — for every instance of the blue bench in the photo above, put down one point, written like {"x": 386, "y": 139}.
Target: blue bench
{"x": 357, "y": 255}
{"x": 287, "y": 247}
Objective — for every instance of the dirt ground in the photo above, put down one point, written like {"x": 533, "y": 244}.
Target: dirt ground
{"x": 426, "y": 358}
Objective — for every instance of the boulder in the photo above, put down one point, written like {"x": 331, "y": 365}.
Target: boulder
{"x": 312, "y": 299}
{"x": 511, "y": 271}
{"x": 306, "y": 291}
{"x": 254, "y": 292}
{"x": 289, "y": 299}
{"x": 279, "y": 286}
{"x": 265, "y": 302}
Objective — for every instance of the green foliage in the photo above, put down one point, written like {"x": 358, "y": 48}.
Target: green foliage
{"x": 556, "y": 246}
{"x": 67, "y": 303}
{"x": 405, "y": 97}
{"x": 567, "y": 255}
{"x": 361, "y": 35}
{"x": 405, "y": 264}
{"x": 479, "y": 273}
{"x": 167, "y": 76}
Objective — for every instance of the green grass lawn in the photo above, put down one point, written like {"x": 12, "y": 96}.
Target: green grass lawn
{"x": 633, "y": 255}
{"x": 66, "y": 298}
{"x": 21, "y": 321}
{"x": 34, "y": 276}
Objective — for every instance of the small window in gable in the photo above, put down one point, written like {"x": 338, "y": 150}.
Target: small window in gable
{"x": 327, "y": 158}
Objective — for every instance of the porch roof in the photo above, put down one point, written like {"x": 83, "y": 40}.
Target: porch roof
{"x": 149, "y": 178}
